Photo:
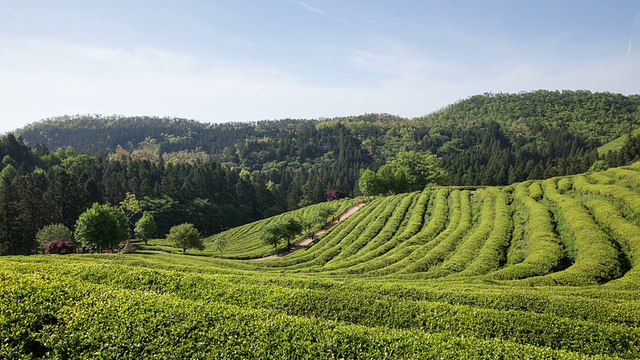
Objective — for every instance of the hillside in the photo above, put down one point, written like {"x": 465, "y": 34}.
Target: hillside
{"x": 617, "y": 143}
{"x": 573, "y": 230}
{"x": 538, "y": 269}
{"x": 599, "y": 117}
{"x": 225, "y": 175}
{"x": 490, "y": 139}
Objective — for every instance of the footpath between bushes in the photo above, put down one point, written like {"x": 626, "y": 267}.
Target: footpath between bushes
{"x": 314, "y": 235}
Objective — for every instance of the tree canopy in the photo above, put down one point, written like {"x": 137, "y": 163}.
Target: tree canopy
{"x": 146, "y": 227}
{"x": 186, "y": 236}
{"x": 407, "y": 171}
{"x": 281, "y": 230}
{"x": 101, "y": 227}
{"x": 315, "y": 218}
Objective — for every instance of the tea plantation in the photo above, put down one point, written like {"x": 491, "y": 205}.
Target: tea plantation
{"x": 539, "y": 269}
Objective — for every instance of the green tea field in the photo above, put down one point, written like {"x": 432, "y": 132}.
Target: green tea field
{"x": 539, "y": 269}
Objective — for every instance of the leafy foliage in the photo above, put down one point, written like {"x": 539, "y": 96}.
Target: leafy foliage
{"x": 336, "y": 194}
{"x": 186, "y": 236}
{"x": 101, "y": 227}
{"x": 145, "y": 227}
{"x": 315, "y": 218}
{"x": 407, "y": 171}
{"x": 281, "y": 230}
{"x": 417, "y": 170}
{"x": 53, "y": 232}
{"x": 59, "y": 247}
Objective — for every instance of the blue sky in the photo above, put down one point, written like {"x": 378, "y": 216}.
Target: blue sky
{"x": 247, "y": 60}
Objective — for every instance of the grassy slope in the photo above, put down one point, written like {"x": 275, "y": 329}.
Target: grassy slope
{"x": 541, "y": 269}
{"x": 245, "y": 242}
{"x": 616, "y": 144}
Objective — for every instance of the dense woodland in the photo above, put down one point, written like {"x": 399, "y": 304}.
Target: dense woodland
{"x": 222, "y": 175}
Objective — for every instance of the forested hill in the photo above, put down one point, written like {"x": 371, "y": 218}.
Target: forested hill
{"x": 490, "y": 139}
{"x": 600, "y": 117}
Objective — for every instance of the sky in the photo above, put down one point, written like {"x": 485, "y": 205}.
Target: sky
{"x": 248, "y": 60}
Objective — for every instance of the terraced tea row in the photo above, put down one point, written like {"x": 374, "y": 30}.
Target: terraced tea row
{"x": 76, "y": 304}
{"x": 536, "y": 232}
{"x": 245, "y": 242}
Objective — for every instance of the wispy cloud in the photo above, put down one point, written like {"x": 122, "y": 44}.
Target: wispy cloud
{"x": 636, "y": 30}
{"x": 310, "y": 8}
{"x": 327, "y": 15}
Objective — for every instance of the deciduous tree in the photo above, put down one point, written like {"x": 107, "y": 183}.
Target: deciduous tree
{"x": 185, "y": 236}
{"x": 146, "y": 227}
{"x": 283, "y": 229}
{"x": 101, "y": 227}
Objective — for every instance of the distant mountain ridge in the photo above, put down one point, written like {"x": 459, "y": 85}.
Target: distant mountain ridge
{"x": 489, "y": 139}
{"x": 599, "y": 117}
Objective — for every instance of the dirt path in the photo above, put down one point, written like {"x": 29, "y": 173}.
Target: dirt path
{"x": 304, "y": 242}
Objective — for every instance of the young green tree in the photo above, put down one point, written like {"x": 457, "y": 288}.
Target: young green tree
{"x": 317, "y": 217}
{"x": 320, "y": 215}
{"x": 283, "y": 229}
{"x": 53, "y": 232}
{"x": 146, "y": 227}
{"x": 419, "y": 169}
{"x": 220, "y": 243}
{"x": 387, "y": 179}
{"x": 185, "y": 236}
{"x": 369, "y": 183}
{"x": 101, "y": 227}
{"x": 407, "y": 171}
{"x": 130, "y": 206}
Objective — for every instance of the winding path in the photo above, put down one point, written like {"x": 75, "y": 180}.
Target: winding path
{"x": 304, "y": 242}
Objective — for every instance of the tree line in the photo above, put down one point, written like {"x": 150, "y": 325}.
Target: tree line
{"x": 57, "y": 187}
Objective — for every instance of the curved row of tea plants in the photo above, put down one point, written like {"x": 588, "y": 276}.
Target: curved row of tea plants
{"x": 110, "y": 307}
{"x": 536, "y": 232}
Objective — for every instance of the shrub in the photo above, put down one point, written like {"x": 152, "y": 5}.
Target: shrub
{"x": 336, "y": 194}
{"x": 53, "y": 232}
{"x": 59, "y": 247}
